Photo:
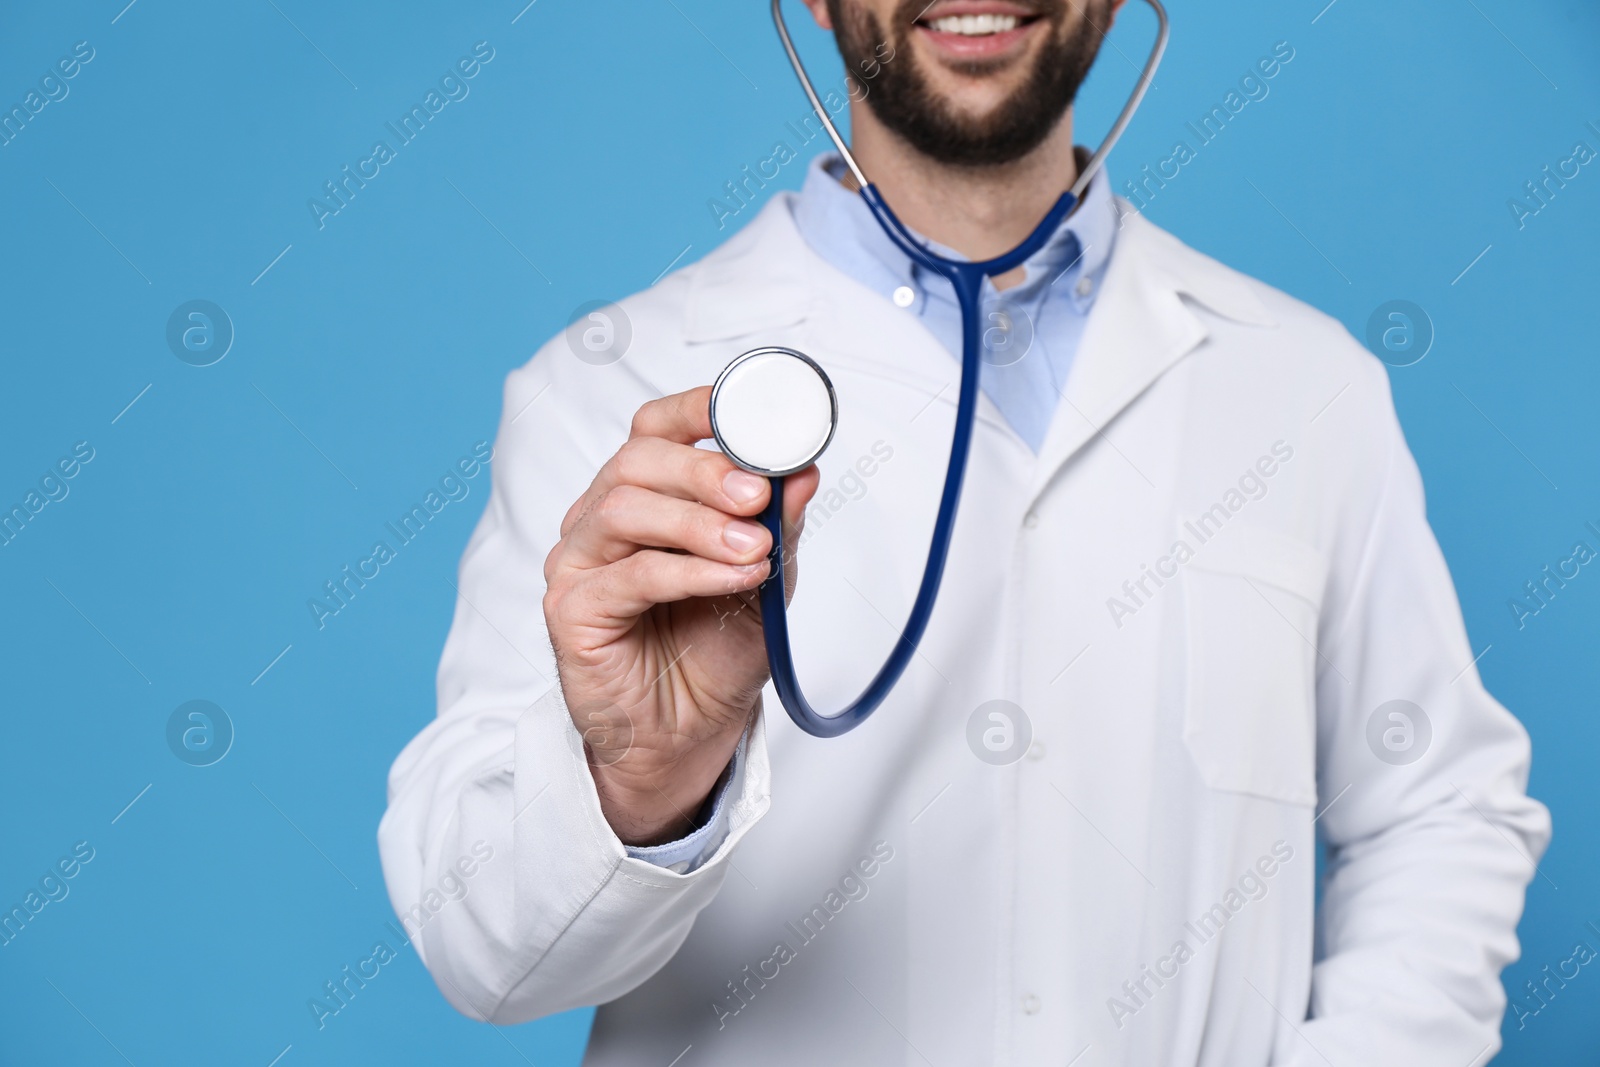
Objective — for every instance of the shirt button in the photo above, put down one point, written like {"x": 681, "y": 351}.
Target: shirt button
{"x": 1036, "y": 751}
{"x": 905, "y": 296}
{"x": 1031, "y": 519}
{"x": 1031, "y": 1005}
{"x": 1085, "y": 286}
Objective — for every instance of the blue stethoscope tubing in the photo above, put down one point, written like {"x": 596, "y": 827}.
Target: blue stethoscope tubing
{"x": 967, "y": 280}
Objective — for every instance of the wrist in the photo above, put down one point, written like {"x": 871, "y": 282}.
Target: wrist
{"x": 654, "y": 809}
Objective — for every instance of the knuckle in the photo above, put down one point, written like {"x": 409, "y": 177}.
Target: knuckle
{"x": 555, "y": 599}
{"x": 666, "y": 571}
{"x": 707, "y": 525}
{"x": 627, "y": 464}
{"x": 621, "y": 580}
{"x": 607, "y": 506}
{"x": 629, "y": 568}
{"x": 620, "y": 501}
{"x": 570, "y": 519}
{"x": 708, "y": 469}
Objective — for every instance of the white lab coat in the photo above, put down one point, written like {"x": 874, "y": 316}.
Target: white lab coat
{"x": 1139, "y": 888}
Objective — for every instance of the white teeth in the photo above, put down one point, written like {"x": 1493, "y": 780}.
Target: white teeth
{"x": 975, "y": 25}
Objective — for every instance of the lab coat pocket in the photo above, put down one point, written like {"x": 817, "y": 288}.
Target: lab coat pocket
{"x": 1249, "y": 695}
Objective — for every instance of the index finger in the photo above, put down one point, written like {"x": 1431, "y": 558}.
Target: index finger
{"x": 682, "y": 417}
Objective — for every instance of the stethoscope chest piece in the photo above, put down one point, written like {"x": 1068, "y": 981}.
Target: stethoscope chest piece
{"x": 773, "y": 411}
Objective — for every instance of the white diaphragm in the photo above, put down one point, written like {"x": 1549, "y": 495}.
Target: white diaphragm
{"x": 773, "y": 411}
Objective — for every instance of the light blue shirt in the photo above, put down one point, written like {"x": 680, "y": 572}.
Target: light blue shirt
{"x": 1031, "y": 330}
{"x": 1031, "y": 335}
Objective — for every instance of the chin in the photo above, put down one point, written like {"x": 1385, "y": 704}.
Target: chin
{"x": 972, "y": 101}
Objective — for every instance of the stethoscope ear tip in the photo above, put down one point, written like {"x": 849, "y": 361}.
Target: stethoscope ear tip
{"x": 773, "y": 411}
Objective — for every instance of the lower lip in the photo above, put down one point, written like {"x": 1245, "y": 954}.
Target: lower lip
{"x": 961, "y": 46}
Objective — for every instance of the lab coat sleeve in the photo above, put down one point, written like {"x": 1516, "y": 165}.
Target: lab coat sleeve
{"x": 515, "y": 892}
{"x": 1428, "y": 860}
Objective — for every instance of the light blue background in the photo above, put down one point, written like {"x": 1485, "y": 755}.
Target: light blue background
{"x": 180, "y": 564}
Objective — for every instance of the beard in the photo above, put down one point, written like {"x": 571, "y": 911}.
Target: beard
{"x": 905, "y": 102}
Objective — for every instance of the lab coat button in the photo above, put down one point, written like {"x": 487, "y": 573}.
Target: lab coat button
{"x": 1030, "y": 1004}
{"x": 1036, "y": 751}
{"x": 1085, "y": 286}
{"x": 905, "y": 296}
{"x": 1031, "y": 519}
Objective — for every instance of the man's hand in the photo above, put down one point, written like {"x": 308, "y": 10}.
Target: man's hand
{"x": 652, "y": 611}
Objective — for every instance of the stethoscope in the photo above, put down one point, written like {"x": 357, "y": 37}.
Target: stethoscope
{"x": 773, "y": 410}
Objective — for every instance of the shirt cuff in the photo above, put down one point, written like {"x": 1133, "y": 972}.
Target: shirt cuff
{"x": 691, "y": 850}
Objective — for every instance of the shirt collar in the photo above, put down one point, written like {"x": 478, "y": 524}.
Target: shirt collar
{"x": 839, "y": 226}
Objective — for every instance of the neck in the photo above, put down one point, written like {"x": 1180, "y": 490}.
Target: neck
{"x": 981, "y": 212}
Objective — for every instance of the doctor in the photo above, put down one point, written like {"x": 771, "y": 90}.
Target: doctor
{"x": 1194, "y": 620}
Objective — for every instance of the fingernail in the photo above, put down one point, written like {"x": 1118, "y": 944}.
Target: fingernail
{"x": 741, "y": 536}
{"x": 742, "y": 486}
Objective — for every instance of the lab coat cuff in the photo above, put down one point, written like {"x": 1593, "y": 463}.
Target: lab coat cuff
{"x": 689, "y": 851}
{"x": 569, "y": 823}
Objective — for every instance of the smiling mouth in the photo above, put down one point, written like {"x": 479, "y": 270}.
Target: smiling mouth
{"x": 976, "y": 25}
{"x": 968, "y": 33}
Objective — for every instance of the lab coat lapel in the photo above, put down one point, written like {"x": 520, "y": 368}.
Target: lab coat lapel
{"x": 1138, "y": 329}
{"x": 758, "y": 282}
